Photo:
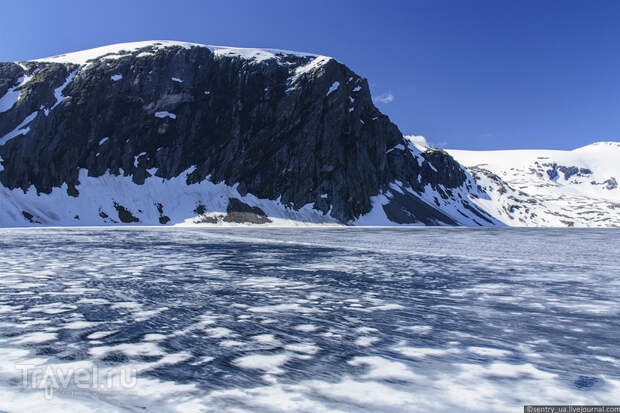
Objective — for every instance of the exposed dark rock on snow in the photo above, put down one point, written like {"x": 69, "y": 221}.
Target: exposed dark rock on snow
{"x": 31, "y": 218}
{"x": 240, "y": 212}
{"x": 163, "y": 219}
{"x": 125, "y": 215}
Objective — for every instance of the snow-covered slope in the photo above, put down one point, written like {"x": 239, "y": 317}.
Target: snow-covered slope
{"x": 116, "y": 200}
{"x": 549, "y": 187}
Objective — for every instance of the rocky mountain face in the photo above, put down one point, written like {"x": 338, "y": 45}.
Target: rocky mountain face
{"x": 169, "y": 132}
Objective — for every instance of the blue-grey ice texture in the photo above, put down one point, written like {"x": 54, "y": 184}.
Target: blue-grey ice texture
{"x": 311, "y": 320}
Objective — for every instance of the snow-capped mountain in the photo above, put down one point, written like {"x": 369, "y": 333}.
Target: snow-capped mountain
{"x": 166, "y": 133}
{"x": 549, "y": 187}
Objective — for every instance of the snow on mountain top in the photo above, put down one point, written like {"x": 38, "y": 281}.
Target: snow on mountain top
{"x": 116, "y": 51}
{"x": 600, "y": 146}
{"x": 549, "y": 187}
{"x": 419, "y": 142}
{"x": 600, "y": 155}
{"x": 591, "y": 171}
{"x": 257, "y": 54}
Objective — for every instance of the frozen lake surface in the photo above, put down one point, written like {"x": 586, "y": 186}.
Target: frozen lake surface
{"x": 308, "y": 320}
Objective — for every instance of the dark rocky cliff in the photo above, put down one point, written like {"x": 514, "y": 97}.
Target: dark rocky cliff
{"x": 295, "y": 127}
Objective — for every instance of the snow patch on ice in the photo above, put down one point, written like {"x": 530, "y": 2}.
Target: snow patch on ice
{"x": 418, "y": 329}
{"x": 422, "y": 352}
{"x": 129, "y": 349}
{"x": 306, "y": 348}
{"x": 35, "y": 338}
{"x": 219, "y": 332}
{"x": 267, "y": 339}
{"x": 269, "y": 363}
{"x": 154, "y": 337}
{"x": 384, "y": 369}
{"x": 490, "y": 352}
{"x": 78, "y": 325}
{"x": 276, "y": 308}
{"x": 306, "y": 328}
{"x": 231, "y": 343}
{"x": 366, "y": 341}
{"x": 164, "y": 114}
{"x": 101, "y": 334}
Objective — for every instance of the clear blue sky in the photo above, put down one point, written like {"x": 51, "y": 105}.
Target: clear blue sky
{"x": 471, "y": 74}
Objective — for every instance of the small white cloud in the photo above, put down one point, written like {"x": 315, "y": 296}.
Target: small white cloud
{"x": 422, "y": 144}
{"x": 384, "y": 98}
{"x": 419, "y": 141}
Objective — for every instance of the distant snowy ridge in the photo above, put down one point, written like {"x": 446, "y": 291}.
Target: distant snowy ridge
{"x": 549, "y": 187}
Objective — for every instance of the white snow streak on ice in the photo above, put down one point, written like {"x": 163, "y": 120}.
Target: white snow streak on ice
{"x": 165, "y": 114}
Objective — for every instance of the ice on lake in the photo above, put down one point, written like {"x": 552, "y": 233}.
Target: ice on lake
{"x": 308, "y": 320}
